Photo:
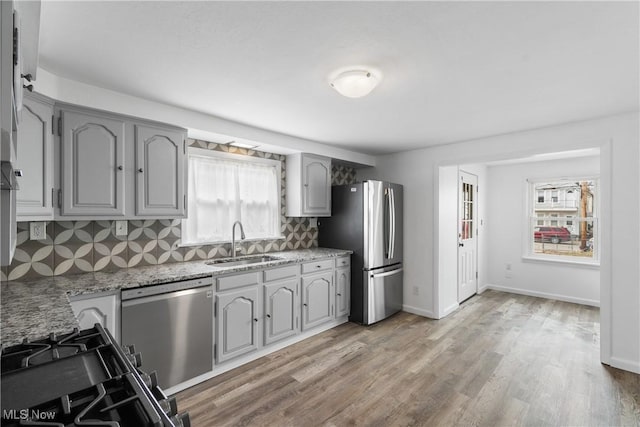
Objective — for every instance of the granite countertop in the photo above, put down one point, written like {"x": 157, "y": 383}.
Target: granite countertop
{"x": 34, "y": 308}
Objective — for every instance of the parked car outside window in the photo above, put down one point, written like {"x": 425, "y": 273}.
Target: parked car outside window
{"x": 552, "y": 234}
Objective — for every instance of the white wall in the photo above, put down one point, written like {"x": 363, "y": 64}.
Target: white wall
{"x": 505, "y": 232}
{"x": 618, "y": 139}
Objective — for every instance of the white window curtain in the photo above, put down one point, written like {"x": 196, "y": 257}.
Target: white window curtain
{"x": 222, "y": 191}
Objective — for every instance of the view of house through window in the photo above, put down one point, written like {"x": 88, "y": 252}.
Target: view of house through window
{"x": 563, "y": 218}
{"x": 224, "y": 188}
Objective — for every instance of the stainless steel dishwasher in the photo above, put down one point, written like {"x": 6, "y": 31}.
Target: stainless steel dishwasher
{"x": 171, "y": 325}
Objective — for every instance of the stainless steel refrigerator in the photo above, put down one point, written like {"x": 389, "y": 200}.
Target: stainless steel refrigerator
{"x": 367, "y": 218}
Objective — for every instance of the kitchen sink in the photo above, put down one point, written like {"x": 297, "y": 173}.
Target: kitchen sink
{"x": 248, "y": 260}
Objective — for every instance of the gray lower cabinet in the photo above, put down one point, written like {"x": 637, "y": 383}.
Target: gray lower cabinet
{"x": 282, "y": 305}
{"x": 101, "y": 307}
{"x": 92, "y": 164}
{"x": 317, "y": 299}
{"x": 237, "y": 323}
{"x": 343, "y": 291}
{"x": 258, "y": 308}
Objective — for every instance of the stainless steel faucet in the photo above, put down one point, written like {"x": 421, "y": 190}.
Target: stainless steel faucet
{"x": 233, "y": 237}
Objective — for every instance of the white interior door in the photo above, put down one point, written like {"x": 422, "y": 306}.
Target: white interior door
{"x": 467, "y": 236}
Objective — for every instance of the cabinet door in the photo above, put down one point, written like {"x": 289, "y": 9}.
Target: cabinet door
{"x": 317, "y": 299}
{"x": 316, "y": 185}
{"x": 93, "y": 165}
{"x": 159, "y": 171}
{"x": 100, "y": 308}
{"x": 281, "y": 307}
{"x": 237, "y": 323}
{"x": 35, "y": 160}
{"x": 343, "y": 291}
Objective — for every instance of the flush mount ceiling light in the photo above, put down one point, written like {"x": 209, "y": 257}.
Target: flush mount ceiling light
{"x": 355, "y": 83}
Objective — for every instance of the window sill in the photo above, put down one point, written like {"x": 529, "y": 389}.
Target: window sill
{"x": 548, "y": 260}
{"x": 222, "y": 242}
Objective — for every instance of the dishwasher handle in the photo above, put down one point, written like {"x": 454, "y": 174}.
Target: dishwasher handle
{"x": 208, "y": 290}
{"x": 165, "y": 288}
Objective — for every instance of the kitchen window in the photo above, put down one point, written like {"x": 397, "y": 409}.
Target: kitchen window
{"x": 224, "y": 188}
{"x": 564, "y": 226}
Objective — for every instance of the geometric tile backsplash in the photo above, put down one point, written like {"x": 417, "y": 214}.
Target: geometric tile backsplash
{"x": 84, "y": 246}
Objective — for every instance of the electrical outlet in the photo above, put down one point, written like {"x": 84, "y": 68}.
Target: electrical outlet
{"x": 313, "y": 222}
{"x": 121, "y": 228}
{"x": 416, "y": 291}
{"x": 37, "y": 230}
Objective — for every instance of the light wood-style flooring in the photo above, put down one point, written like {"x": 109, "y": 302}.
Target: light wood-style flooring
{"x": 500, "y": 360}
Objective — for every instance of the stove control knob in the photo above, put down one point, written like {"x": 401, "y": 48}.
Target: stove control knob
{"x": 150, "y": 380}
{"x": 135, "y": 359}
{"x": 181, "y": 420}
{"x": 129, "y": 349}
{"x": 169, "y": 406}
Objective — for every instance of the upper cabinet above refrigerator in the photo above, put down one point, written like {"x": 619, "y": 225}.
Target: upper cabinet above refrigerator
{"x": 308, "y": 179}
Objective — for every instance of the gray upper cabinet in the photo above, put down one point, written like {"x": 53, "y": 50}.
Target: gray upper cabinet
{"x": 308, "y": 185}
{"x": 159, "y": 171}
{"x": 317, "y": 299}
{"x": 237, "y": 323}
{"x": 110, "y": 166}
{"x": 35, "y": 160}
{"x": 281, "y": 310}
{"x": 92, "y": 165}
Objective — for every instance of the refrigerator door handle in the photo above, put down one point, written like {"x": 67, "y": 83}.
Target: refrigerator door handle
{"x": 392, "y": 239}
{"x": 387, "y": 273}
{"x": 389, "y": 223}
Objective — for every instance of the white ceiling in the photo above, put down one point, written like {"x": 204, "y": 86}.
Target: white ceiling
{"x": 453, "y": 71}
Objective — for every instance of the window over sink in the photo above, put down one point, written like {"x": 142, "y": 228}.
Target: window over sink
{"x": 224, "y": 188}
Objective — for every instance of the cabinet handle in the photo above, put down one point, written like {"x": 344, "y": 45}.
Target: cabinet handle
{"x": 140, "y": 170}
{"x": 255, "y": 319}
{"x": 120, "y": 168}
{"x": 268, "y": 316}
{"x": 339, "y": 295}
{"x": 305, "y": 304}
{"x": 318, "y": 266}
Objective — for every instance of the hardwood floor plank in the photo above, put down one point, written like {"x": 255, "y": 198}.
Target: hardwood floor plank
{"x": 500, "y": 360}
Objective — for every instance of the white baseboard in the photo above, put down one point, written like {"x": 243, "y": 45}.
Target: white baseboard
{"x": 483, "y": 288}
{"x": 627, "y": 365}
{"x": 418, "y": 311}
{"x": 447, "y": 311}
{"x": 583, "y": 301}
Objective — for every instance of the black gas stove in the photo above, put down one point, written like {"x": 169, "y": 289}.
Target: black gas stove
{"x": 83, "y": 378}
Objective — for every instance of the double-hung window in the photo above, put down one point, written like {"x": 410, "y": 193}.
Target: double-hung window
{"x": 224, "y": 188}
{"x": 563, "y": 219}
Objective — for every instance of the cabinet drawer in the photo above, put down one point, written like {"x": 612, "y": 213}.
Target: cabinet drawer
{"x": 238, "y": 281}
{"x": 323, "y": 264}
{"x": 280, "y": 273}
{"x": 343, "y": 261}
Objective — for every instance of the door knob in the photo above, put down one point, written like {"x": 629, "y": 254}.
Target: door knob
{"x": 460, "y": 244}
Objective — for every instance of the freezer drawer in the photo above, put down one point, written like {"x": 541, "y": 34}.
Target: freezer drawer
{"x": 383, "y": 293}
